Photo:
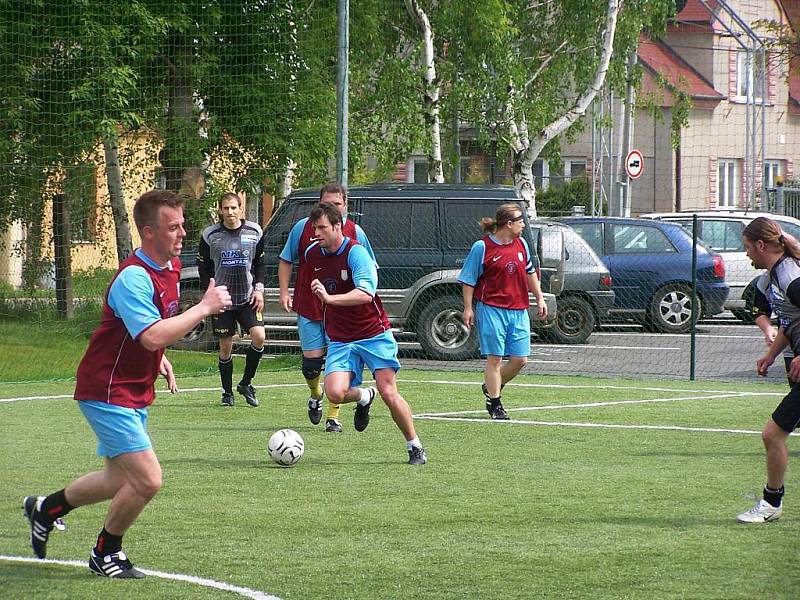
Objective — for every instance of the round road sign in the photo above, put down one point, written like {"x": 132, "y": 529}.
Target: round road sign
{"x": 634, "y": 164}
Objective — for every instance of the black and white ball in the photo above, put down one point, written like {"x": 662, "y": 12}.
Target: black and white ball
{"x": 286, "y": 447}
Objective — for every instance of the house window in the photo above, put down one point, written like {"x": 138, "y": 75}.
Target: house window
{"x": 545, "y": 176}
{"x": 750, "y": 80}
{"x": 727, "y": 183}
{"x": 772, "y": 170}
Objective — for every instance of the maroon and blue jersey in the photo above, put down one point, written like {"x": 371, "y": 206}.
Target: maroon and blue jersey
{"x": 499, "y": 272}
{"x": 300, "y": 239}
{"x": 350, "y": 267}
{"x": 116, "y": 368}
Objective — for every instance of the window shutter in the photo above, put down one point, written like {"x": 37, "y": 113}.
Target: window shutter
{"x": 772, "y": 86}
{"x": 712, "y": 182}
{"x": 789, "y": 176}
{"x": 732, "y": 57}
{"x": 742, "y": 201}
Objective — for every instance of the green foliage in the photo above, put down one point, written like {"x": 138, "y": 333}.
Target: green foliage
{"x": 559, "y": 200}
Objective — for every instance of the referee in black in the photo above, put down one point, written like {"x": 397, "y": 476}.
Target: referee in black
{"x": 232, "y": 252}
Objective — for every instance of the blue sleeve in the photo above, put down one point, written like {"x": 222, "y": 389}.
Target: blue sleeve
{"x": 362, "y": 239}
{"x": 131, "y": 299}
{"x": 528, "y": 260}
{"x": 291, "y": 250}
{"x": 473, "y": 266}
{"x": 363, "y": 268}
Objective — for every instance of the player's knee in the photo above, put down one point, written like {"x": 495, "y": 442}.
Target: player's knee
{"x": 257, "y": 336}
{"x": 335, "y": 395}
{"x": 520, "y": 361}
{"x": 312, "y": 367}
{"x": 149, "y": 485}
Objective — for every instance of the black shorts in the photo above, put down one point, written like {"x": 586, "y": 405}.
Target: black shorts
{"x": 224, "y": 324}
{"x": 787, "y": 415}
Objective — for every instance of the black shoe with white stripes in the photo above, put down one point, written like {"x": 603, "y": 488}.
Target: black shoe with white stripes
{"x": 114, "y": 565}
{"x": 40, "y": 526}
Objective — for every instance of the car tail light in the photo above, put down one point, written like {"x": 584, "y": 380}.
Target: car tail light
{"x": 606, "y": 281}
{"x": 719, "y": 267}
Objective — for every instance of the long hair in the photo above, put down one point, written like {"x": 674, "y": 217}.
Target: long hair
{"x": 505, "y": 213}
{"x": 769, "y": 231}
{"x": 145, "y": 211}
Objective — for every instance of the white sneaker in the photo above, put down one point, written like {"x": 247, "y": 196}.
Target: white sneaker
{"x": 762, "y": 512}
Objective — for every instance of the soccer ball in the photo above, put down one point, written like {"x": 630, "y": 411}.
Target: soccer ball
{"x": 286, "y": 447}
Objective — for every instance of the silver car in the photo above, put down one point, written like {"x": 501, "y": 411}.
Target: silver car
{"x": 722, "y": 232}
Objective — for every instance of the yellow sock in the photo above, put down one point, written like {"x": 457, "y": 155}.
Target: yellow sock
{"x": 315, "y": 386}
{"x": 333, "y": 411}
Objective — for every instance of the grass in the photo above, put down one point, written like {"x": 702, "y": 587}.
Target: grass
{"x": 45, "y": 349}
{"x": 502, "y": 510}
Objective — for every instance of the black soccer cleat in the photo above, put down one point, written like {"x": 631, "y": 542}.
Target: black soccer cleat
{"x": 227, "y": 399}
{"x": 40, "y": 525}
{"x": 361, "y": 418}
{"x": 249, "y": 393}
{"x": 333, "y": 426}
{"x": 497, "y": 412}
{"x": 416, "y": 455}
{"x": 314, "y": 410}
{"x": 116, "y": 566}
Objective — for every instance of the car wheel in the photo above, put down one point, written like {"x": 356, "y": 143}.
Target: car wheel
{"x": 574, "y": 321}
{"x": 442, "y": 333}
{"x": 201, "y": 336}
{"x": 749, "y": 296}
{"x": 671, "y": 309}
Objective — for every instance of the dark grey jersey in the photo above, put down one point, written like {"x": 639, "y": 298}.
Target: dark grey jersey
{"x": 233, "y": 257}
{"x": 774, "y": 284}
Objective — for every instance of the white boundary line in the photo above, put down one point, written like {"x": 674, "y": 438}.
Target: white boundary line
{"x": 584, "y": 405}
{"x": 210, "y": 583}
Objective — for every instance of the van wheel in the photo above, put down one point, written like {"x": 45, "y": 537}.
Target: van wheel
{"x": 749, "y": 296}
{"x": 200, "y": 337}
{"x": 574, "y": 321}
{"x": 671, "y": 309}
{"x": 442, "y": 333}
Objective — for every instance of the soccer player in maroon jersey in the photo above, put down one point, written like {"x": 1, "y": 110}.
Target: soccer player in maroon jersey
{"x": 116, "y": 383}
{"x": 497, "y": 275}
{"x": 308, "y": 308}
{"x": 345, "y": 282}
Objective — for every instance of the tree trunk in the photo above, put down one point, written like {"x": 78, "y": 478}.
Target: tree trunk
{"x": 176, "y": 155}
{"x": 528, "y": 151}
{"x": 431, "y": 87}
{"x": 117, "y": 200}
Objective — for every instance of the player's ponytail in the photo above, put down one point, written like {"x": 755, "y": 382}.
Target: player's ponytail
{"x": 768, "y": 231}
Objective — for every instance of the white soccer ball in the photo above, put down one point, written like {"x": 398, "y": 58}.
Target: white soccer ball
{"x": 286, "y": 447}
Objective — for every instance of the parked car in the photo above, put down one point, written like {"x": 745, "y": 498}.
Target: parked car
{"x": 722, "y": 232}
{"x": 421, "y": 235}
{"x": 587, "y": 296}
{"x": 651, "y": 267}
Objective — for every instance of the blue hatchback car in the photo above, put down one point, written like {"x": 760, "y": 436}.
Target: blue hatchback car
{"x": 651, "y": 268}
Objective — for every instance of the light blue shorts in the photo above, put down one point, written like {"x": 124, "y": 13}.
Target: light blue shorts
{"x": 379, "y": 352}
{"x": 119, "y": 430}
{"x": 503, "y": 331}
{"x": 312, "y": 334}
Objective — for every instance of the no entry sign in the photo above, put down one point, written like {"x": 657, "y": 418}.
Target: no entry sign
{"x": 634, "y": 164}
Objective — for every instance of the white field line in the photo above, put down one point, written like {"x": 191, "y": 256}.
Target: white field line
{"x": 209, "y": 583}
{"x": 438, "y": 382}
{"x": 593, "y": 425}
{"x": 592, "y": 387}
{"x": 584, "y": 405}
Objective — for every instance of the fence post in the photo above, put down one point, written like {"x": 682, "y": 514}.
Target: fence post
{"x": 780, "y": 201}
{"x": 693, "y": 336}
